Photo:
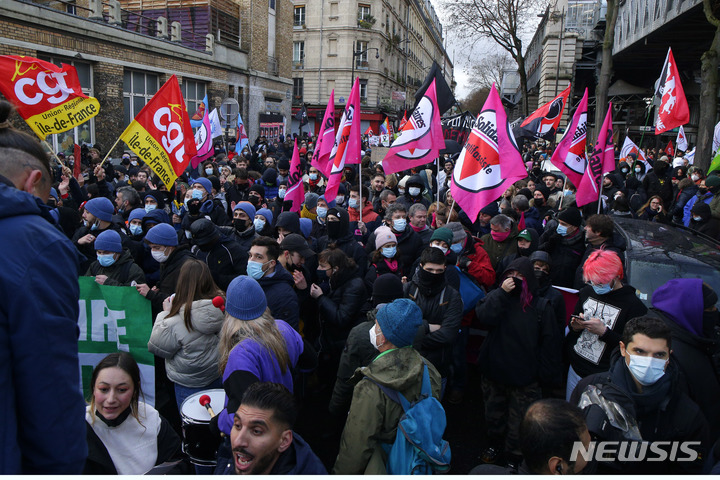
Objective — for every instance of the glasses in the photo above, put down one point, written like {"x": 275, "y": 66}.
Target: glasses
{"x": 593, "y": 284}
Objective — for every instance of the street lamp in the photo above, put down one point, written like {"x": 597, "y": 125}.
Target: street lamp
{"x": 357, "y": 54}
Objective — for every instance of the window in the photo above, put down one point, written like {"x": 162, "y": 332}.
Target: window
{"x": 297, "y": 90}
{"x": 138, "y": 89}
{"x": 334, "y": 9}
{"x": 298, "y": 54}
{"x": 272, "y": 5}
{"x": 332, "y": 46}
{"x": 363, "y": 91}
{"x": 361, "y": 59}
{"x": 85, "y": 133}
{"x": 193, "y": 92}
{"x": 364, "y": 12}
{"x": 299, "y": 20}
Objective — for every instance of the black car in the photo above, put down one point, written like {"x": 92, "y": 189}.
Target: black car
{"x": 657, "y": 253}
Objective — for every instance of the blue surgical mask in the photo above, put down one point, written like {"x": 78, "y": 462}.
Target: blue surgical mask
{"x": 401, "y": 191}
{"x": 94, "y": 227}
{"x": 625, "y": 170}
{"x": 106, "y": 260}
{"x": 353, "y": 203}
{"x": 259, "y": 224}
{"x": 198, "y": 194}
{"x": 562, "y": 230}
{"x": 135, "y": 229}
{"x": 281, "y": 193}
{"x": 254, "y": 269}
{"x": 602, "y": 289}
{"x": 339, "y": 199}
{"x": 646, "y": 370}
{"x": 150, "y": 208}
{"x": 209, "y": 171}
{"x": 389, "y": 252}
{"x": 322, "y": 212}
{"x": 399, "y": 224}
{"x": 313, "y": 176}
{"x": 567, "y": 192}
{"x": 456, "y": 247}
{"x": 414, "y": 191}
{"x": 697, "y": 219}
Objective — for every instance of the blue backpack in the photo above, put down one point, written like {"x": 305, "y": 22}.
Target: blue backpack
{"x": 419, "y": 448}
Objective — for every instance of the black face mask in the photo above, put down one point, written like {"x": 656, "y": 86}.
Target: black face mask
{"x": 254, "y": 200}
{"x": 518, "y": 286}
{"x": 702, "y": 190}
{"x": 710, "y": 323}
{"x": 334, "y": 230}
{"x": 523, "y": 252}
{"x": 543, "y": 278}
{"x": 428, "y": 279}
{"x": 193, "y": 206}
{"x": 239, "y": 224}
{"x": 539, "y": 202}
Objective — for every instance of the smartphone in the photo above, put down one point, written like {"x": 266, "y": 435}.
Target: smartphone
{"x": 577, "y": 318}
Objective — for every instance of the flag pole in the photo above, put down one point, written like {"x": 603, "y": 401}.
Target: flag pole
{"x": 57, "y": 159}
{"x": 360, "y": 188}
{"x": 110, "y": 151}
{"x": 602, "y": 181}
{"x": 437, "y": 178}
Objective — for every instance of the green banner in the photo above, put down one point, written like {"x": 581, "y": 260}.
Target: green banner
{"x": 114, "y": 319}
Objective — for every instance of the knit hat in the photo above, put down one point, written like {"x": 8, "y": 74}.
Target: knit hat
{"x": 443, "y": 234}
{"x": 525, "y": 234}
{"x": 207, "y": 184}
{"x": 267, "y": 214}
{"x": 258, "y": 189}
{"x": 245, "y": 299}
{"x": 248, "y": 208}
{"x": 457, "y": 230}
{"x": 306, "y": 227}
{"x": 383, "y": 235}
{"x": 269, "y": 176}
{"x": 101, "y": 207}
{"x": 311, "y": 200}
{"x": 544, "y": 190}
{"x": 162, "y": 234}
{"x": 701, "y": 209}
{"x": 215, "y": 182}
{"x": 571, "y": 216}
{"x": 331, "y": 204}
{"x": 204, "y": 232}
{"x": 387, "y": 287}
{"x": 136, "y": 214}
{"x": 54, "y": 194}
{"x": 157, "y": 196}
{"x": 399, "y": 321}
{"x": 490, "y": 209}
{"x": 712, "y": 181}
{"x": 284, "y": 164}
{"x": 109, "y": 240}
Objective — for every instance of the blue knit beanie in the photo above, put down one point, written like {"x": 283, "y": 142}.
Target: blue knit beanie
{"x": 101, "y": 207}
{"x": 331, "y": 204}
{"x": 109, "y": 240}
{"x": 399, "y": 321}
{"x": 54, "y": 194}
{"x": 306, "y": 227}
{"x": 248, "y": 208}
{"x": 245, "y": 299}
{"x": 136, "y": 214}
{"x": 207, "y": 184}
{"x": 162, "y": 234}
{"x": 267, "y": 214}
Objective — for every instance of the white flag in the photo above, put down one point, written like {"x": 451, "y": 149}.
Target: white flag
{"x": 630, "y": 147}
{"x": 215, "y": 127}
{"x": 681, "y": 140}
{"x": 716, "y": 138}
{"x": 690, "y": 156}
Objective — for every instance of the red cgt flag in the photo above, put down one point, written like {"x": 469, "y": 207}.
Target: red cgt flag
{"x": 674, "y": 110}
{"x": 161, "y": 134}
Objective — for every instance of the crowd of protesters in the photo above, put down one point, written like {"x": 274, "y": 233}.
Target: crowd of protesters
{"x": 349, "y": 295}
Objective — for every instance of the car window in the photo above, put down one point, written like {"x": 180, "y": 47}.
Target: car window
{"x": 646, "y": 276}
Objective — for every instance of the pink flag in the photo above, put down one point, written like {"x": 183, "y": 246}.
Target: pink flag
{"x": 489, "y": 162}
{"x": 421, "y": 138}
{"x": 570, "y": 156}
{"x": 326, "y": 139}
{"x": 601, "y": 161}
{"x": 203, "y": 142}
{"x": 346, "y": 149}
{"x": 295, "y": 190}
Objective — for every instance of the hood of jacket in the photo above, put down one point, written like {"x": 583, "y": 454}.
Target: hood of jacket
{"x": 205, "y": 317}
{"x": 399, "y": 369}
{"x": 524, "y": 266}
{"x": 290, "y": 221}
{"x": 14, "y": 203}
{"x": 681, "y": 299}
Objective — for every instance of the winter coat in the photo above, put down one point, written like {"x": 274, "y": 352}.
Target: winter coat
{"x": 298, "y": 459}
{"x": 409, "y": 248}
{"x": 378, "y": 268}
{"x": 191, "y": 357}
{"x": 681, "y": 200}
{"x": 215, "y": 211}
{"x": 281, "y": 297}
{"x": 496, "y": 250}
{"x": 522, "y": 347}
{"x": 590, "y": 353}
{"x": 244, "y": 239}
{"x": 368, "y": 214}
{"x": 88, "y": 249}
{"x": 226, "y": 261}
{"x": 480, "y": 267}
{"x": 687, "y": 211}
{"x": 38, "y": 341}
{"x": 444, "y": 308}
{"x": 653, "y": 216}
{"x": 121, "y": 273}
{"x": 350, "y": 246}
{"x": 566, "y": 254}
{"x": 373, "y": 417}
{"x": 169, "y": 273}
{"x": 340, "y": 307}
{"x": 533, "y": 220}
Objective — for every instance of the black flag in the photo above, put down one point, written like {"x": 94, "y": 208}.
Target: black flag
{"x": 302, "y": 116}
{"x": 445, "y": 97}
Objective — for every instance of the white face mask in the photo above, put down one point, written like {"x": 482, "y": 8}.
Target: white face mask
{"x": 373, "y": 338}
{"x": 442, "y": 249}
{"x": 159, "y": 256}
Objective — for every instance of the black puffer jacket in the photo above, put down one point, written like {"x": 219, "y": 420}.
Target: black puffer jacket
{"x": 345, "y": 241}
{"x": 442, "y": 307}
{"x": 169, "y": 273}
{"x": 409, "y": 248}
{"x": 566, "y": 254}
{"x": 522, "y": 347}
{"x": 226, "y": 261}
{"x": 340, "y": 307}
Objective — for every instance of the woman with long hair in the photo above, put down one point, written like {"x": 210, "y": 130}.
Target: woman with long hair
{"x": 186, "y": 332}
{"x": 125, "y": 436}
{"x": 653, "y": 211}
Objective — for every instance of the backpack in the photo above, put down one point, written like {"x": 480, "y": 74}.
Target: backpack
{"x": 419, "y": 448}
{"x": 470, "y": 292}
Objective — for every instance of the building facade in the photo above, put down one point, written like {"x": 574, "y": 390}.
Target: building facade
{"x": 124, "y": 51}
{"x": 389, "y": 45}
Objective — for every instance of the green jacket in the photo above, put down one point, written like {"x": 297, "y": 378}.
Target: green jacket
{"x": 497, "y": 251}
{"x": 373, "y": 417}
{"x": 715, "y": 206}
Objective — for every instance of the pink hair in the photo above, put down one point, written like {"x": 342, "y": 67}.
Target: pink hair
{"x": 602, "y": 266}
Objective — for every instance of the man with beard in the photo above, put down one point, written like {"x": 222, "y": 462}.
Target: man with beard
{"x": 263, "y": 441}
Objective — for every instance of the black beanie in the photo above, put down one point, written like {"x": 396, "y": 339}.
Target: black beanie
{"x": 571, "y": 216}
{"x": 387, "y": 287}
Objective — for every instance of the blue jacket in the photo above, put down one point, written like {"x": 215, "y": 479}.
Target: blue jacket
{"x": 687, "y": 215}
{"x": 43, "y": 425}
{"x": 299, "y": 459}
{"x": 281, "y": 297}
